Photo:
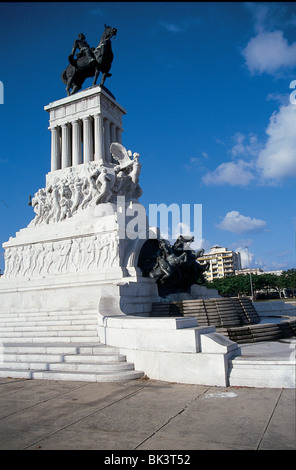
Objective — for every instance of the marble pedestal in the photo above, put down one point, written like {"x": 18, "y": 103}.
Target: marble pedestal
{"x": 62, "y": 265}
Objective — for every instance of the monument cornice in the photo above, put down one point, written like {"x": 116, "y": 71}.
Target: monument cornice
{"x": 90, "y": 102}
{"x": 88, "y": 92}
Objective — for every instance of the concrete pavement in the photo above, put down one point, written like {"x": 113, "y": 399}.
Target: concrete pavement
{"x": 143, "y": 415}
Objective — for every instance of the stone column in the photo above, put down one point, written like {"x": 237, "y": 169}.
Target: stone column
{"x": 113, "y": 138}
{"x": 99, "y": 138}
{"x": 55, "y": 148}
{"x": 107, "y": 140}
{"x": 118, "y": 135}
{"x": 113, "y": 132}
{"x": 66, "y": 145}
{"x": 76, "y": 143}
{"x": 88, "y": 147}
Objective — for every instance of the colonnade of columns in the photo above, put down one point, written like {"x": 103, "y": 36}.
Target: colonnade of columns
{"x": 83, "y": 140}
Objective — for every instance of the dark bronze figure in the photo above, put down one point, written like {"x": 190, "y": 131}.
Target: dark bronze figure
{"x": 84, "y": 49}
{"x": 175, "y": 268}
{"x": 89, "y": 62}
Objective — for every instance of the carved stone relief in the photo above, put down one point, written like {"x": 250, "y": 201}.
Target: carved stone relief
{"x": 70, "y": 192}
{"x": 83, "y": 254}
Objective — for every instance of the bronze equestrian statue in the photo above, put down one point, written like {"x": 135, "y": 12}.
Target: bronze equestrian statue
{"x": 174, "y": 268}
{"x": 89, "y": 62}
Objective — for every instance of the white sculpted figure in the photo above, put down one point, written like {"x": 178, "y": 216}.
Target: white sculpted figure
{"x": 90, "y": 191}
{"x": 129, "y": 168}
{"x": 17, "y": 261}
{"x": 26, "y": 259}
{"x": 39, "y": 206}
{"x": 55, "y": 204}
{"x": 77, "y": 194}
{"x": 121, "y": 155}
{"x": 65, "y": 201}
{"x": 9, "y": 258}
{"x": 104, "y": 183}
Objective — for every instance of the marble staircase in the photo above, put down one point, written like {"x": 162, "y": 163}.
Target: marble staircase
{"x": 235, "y": 318}
{"x": 59, "y": 346}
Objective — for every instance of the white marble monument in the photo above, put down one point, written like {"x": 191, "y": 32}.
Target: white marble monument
{"x": 79, "y": 238}
{"x": 80, "y": 254}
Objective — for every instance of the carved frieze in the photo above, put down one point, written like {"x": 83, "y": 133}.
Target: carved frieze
{"x": 73, "y": 191}
{"x": 82, "y": 254}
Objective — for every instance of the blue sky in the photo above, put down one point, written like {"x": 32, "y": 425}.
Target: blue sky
{"x": 207, "y": 91}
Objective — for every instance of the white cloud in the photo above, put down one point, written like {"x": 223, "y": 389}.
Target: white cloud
{"x": 181, "y": 228}
{"x": 171, "y": 27}
{"x": 271, "y": 162}
{"x": 237, "y": 223}
{"x": 269, "y": 52}
{"x": 246, "y": 256}
{"x": 245, "y": 145}
{"x": 199, "y": 243}
{"x": 281, "y": 98}
{"x": 274, "y": 160}
{"x": 277, "y": 160}
{"x": 234, "y": 173}
{"x": 243, "y": 247}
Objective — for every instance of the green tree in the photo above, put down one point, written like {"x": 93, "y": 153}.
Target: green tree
{"x": 231, "y": 285}
{"x": 288, "y": 279}
{"x": 241, "y": 284}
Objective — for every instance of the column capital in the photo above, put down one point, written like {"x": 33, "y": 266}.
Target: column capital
{"x": 65, "y": 124}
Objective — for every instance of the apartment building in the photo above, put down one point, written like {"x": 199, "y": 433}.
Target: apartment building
{"x": 257, "y": 271}
{"x": 222, "y": 262}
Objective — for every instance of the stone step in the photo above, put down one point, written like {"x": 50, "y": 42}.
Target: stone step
{"x": 28, "y": 358}
{"x": 53, "y": 339}
{"x": 52, "y": 315}
{"x": 96, "y": 367}
{"x": 91, "y": 361}
{"x": 75, "y": 376}
{"x": 262, "y": 373}
{"x": 94, "y": 357}
{"x": 47, "y": 320}
{"x": 66, "y": 348}
{"x": 37, "y": 320}
{"x": 68, "y": 366}
{"x": 45, "y": 327}
{"x": 62, "y": 345}
{"x": 51, "y": 332}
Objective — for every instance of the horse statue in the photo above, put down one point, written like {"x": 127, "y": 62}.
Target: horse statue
{"x": 190, "y": 270}
{"x": 89, "y": 62}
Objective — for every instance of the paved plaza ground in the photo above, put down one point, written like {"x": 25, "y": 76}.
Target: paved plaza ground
{"x": 143, "y": 415}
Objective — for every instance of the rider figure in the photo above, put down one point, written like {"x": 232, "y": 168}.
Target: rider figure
{"x": 83, "y": 47}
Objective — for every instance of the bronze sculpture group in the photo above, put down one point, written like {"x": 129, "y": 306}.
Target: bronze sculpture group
{"x": 174, "y": 267}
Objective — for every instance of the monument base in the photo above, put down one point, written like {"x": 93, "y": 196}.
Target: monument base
{"x": 63, "y": 265}
{"x": 171, "y": 349}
